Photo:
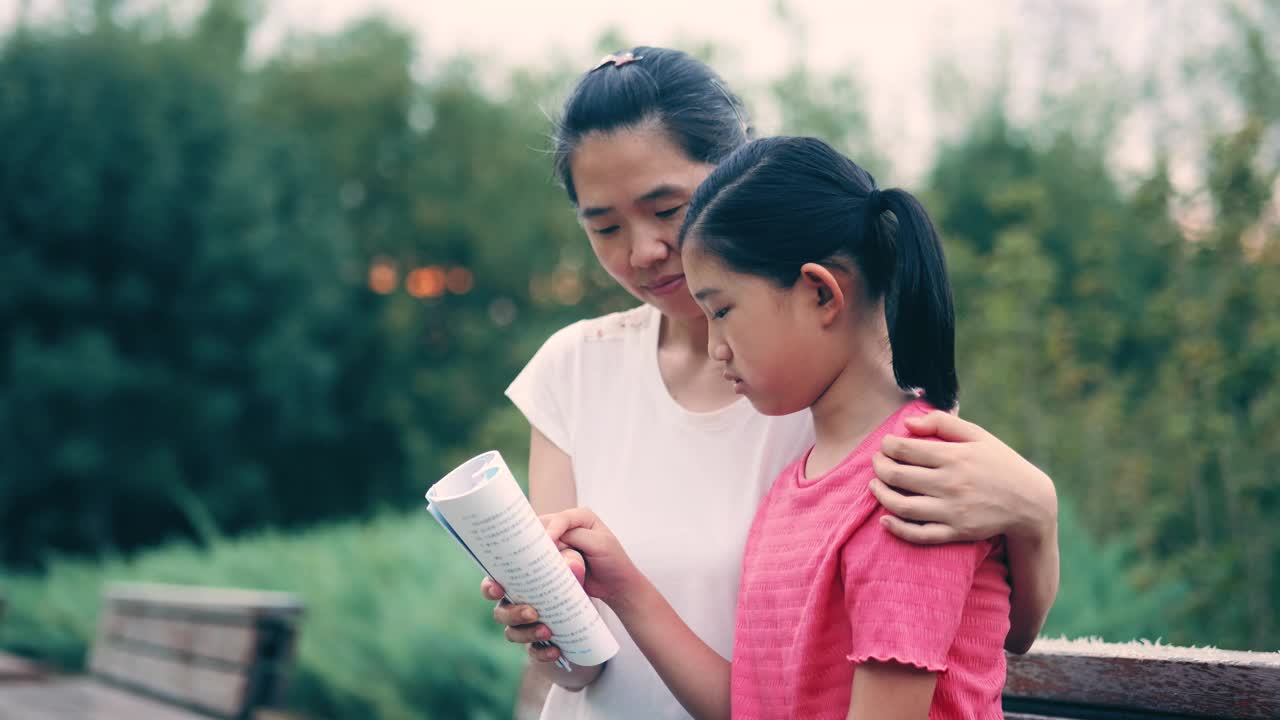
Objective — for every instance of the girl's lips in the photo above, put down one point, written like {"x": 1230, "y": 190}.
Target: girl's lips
{"x": 738, "y": 385}
{"x": 666, "y": 286}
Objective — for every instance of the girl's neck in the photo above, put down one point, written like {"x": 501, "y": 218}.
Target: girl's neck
{"x": 853, "y": 406}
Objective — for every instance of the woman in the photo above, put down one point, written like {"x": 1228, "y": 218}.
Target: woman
{"x": 628, "y": 411}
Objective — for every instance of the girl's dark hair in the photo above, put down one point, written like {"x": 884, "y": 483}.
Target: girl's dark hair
{"x": 778, "y": 203}
{"x": 684, "y": 96}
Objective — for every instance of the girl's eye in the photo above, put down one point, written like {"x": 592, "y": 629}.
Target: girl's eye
{"x": 606, "y": 230}
{"x": 668, "y": 213}
{"x": 720, "y": 313}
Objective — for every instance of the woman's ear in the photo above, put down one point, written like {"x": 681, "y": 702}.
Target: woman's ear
{"x": 822, "y": 291}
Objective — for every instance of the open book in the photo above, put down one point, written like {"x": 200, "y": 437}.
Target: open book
{"x": 481, "y": 505}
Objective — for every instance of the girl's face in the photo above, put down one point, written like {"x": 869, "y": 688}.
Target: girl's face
{"x": 633, "y": 186}
{"x": 781, "y": 347}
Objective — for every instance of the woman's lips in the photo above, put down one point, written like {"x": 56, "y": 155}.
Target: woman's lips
{"x": 666, "y": 285}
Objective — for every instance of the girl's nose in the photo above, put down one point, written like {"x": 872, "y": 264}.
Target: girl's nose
{"x": 719, "y": 351}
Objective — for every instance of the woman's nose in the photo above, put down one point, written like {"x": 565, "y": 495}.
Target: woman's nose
{"x": 649, "y": 248}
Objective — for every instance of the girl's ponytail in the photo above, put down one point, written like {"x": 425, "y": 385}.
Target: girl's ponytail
{"x": 918, "y": 305}
{"x": 778, "y": 203}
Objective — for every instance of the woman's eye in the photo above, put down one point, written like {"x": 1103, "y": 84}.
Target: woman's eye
{"x": 606, "y": 230}
{"x": 668, "y": 213}
{"x": 720, "y": 313}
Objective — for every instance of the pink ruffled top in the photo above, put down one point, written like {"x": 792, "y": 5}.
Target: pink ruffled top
{"x": 825, "y": 587}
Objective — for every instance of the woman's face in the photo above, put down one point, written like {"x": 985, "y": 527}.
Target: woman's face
{"x": 633, "y": 187}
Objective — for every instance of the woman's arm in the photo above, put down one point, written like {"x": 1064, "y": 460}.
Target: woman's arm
{"x": 1033, "y": 579}
{"x": 551, "y": 489}
{"x": 891, "y": 691}
{"x": 974, "y": 487}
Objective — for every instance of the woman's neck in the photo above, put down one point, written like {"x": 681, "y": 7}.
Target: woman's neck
{"x": 693, "y": 379}
{"x": 853, "y": 406}
{"x": 684, "y": 335}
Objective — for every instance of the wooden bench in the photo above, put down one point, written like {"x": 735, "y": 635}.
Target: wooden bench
{"x": 1109, "y": 681}
{"x": 1090, "y": 680}
{"x": 175, "y": 653}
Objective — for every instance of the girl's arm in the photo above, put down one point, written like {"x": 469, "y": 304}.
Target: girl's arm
{"x": 695, "y": 674}
{"x": 551, "y": 489}
{"x": 975, "y": 487}
{"x": 691, "y": 669}
{"x": 891, "y": 691}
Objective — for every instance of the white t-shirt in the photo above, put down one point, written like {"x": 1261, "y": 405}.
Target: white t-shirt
{"x": 678, "y": 488}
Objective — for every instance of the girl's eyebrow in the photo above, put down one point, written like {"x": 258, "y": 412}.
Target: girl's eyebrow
{"x": 705, "y": 293}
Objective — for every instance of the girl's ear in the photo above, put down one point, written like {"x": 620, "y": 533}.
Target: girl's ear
{"x": 821, "y": 292}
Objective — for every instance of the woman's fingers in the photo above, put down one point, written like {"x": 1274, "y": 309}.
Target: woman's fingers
{"x": 907, "y": 478}
{"x": 546, "y": 653}
{"x": 520, "y": 622}
{"x": 915, "y": 451}
{"x": 917, "y": 508}
{"x": 491, "y": 589}
{"x": 514, "y": 615}
{"x": 524, "y": 634}
{"x": 945, "y": 426}
{"x": 927, "y": 534}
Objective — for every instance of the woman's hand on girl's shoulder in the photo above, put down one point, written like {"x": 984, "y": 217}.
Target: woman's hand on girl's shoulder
{"x": 969, "y": 487}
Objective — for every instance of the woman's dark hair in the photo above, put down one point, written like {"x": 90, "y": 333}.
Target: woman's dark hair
{"x": 682, "y": 95}
{"x": 778, "y": 203}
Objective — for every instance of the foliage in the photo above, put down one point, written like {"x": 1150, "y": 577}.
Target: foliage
{"x": 394, "y": 628}
{"x": 1130, "y": 352}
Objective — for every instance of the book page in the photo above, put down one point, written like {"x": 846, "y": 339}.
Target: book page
{"x": 483, "y": 506}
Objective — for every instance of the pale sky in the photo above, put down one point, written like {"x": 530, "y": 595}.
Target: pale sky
{"x": 892, "y": 47}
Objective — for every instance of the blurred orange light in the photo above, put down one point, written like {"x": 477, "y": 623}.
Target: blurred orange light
{"x": 459, "y": 280}
{"x": 566, "y": 286}
{"x": 383, "y": 277}
{"x": 426, "y": 282}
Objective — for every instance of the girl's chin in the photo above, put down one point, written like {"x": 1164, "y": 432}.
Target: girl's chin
{"x": 772, "y": 406}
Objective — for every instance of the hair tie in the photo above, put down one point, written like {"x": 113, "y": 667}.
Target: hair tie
{"x": 875, "y": 202}
{"x": 618, "y": 60}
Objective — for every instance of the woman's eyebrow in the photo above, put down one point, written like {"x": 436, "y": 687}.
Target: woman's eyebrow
{"x": 587, "y": 213}
{"x": 661, "y": 191}
{"x": 664, "y": 190}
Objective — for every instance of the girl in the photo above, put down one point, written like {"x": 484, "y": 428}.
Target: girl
{"x": 823, "y": 292}
{"x": 628, "y": 411}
